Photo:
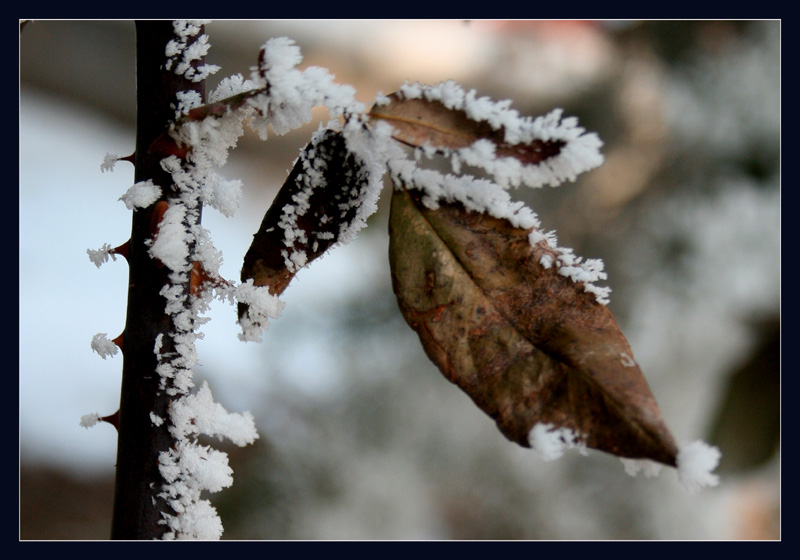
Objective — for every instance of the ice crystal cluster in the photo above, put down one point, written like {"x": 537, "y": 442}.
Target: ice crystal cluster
{"x": 696, "y": 461}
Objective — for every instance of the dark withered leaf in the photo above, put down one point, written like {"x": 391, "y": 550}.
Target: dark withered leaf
{"x": 528, "y": 345}
{"x": 319, "y": 201}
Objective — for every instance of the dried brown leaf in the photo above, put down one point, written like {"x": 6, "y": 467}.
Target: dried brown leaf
{"x": 418, "y": 122}
{"x": 320, "y": 199}
{"x": 527, "y": 344}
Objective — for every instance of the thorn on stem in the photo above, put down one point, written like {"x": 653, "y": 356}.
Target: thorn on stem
{"x": 122, "y": 250}
{"x": 118, "y": 341}
{"x": 113, "y": 419}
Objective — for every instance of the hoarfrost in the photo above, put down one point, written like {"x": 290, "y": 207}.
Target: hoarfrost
{"x": 101, "y": 255}
{"x": 141, "y": 195}
{"x": 109, "y": 161}
{"x": 549, "y": 442}
{"x": 263, "y": 306}
{"x": 89, "y": 420}
{"x": 291, "y": 94}
{"x": 580, "y": 151}
{"x": 647, "y": 467}
{"x": 171, "y": 244}
{"x": 696, "y": 461}
{"x": 103, "y": 346}
{"x": 199, "y": 414}
{"x": 230, "y": 86}
{"x": 484, "y": 196}
{"x": 186, "y": 48}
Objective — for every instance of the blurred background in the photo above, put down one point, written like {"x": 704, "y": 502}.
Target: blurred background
{"x": 360, "y": 436}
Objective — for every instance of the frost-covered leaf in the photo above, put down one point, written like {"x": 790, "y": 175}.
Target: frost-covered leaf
{"x": 419, "y": 122}
{"x": 479, "y": 132}
{"x": 321, "y": 200}
{"x": 529, "y": 345}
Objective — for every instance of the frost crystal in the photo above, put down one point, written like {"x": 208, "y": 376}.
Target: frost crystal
{"x": 188, "y": 47}
{"x": 648, "y": 468}
{"x": 481, "y": 195}
{"x": 89, "y": 420}
{"x": 108, "y": 162}
{"x": 696, "y": 461}
{"x": 199, "y": 414}
{"x": 103, "y": 346}
{"x": 230, "y": 86}
{"x": 291, "y": 94}
{"x": 101, "y": 255}
{"x": 189, "y": 469}
{"x": 549, "y": 442}
{"x": 141, "y": 195}
{"x": 187, "y": 100}
{"x": 263, "y": 306}
{"x": 580, "y": 151}
{"x": 171, "y": 245}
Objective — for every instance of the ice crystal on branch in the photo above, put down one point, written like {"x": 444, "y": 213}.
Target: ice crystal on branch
{"x": 184, "y": 247}
{"x": 108, "y": 162}
{"x": 101, "y": 255}
{"x": 199, "y": 414}
{"x": 141, "y": 195}
{"x": 291, "y": 94}
{"x": 90, "y": 420}
{"x": 188, "y": 47}
{"x": 103, "y": 346}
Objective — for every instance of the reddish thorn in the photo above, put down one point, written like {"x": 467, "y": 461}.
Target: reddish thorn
{"x": 131, "y": 158}
{"x": 118, "y": 341}
{"x": 112, "y": 419}
{"x": 122, "y": 250}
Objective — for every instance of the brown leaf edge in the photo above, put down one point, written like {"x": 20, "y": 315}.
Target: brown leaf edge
{"x": 418, "y": 122}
